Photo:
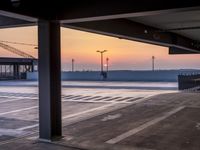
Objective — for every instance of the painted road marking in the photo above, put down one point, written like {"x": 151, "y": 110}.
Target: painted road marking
{"x": 10, "y": 132}
{"x": 69, "y": 116}
{"x": 28, "y": 127}
{"x": 18, "y": 110}
{"x": 17, "y": 99}
{"x": 84, "y": 112}
{"x": 77, "y": 98}
{"x": 87, "y": 111}
{"x": 111, "y": 117}
{"x": 20, "y": 97}
{"x": 29, "y": 108}
{"x": 11, "y": 100}
{"x": 144, "y": 126}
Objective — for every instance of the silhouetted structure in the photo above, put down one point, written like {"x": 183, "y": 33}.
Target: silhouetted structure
{"x": 16, "y": 68}
{"x": 103, "y": 74}
{"x": 188, "y": 81}
{"x": 107, "y": 64}
{"x": 153, "y": 63}
{"x": 73, "y": 65}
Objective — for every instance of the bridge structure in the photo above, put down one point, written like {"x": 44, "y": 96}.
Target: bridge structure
{"x": 174, "y": 24}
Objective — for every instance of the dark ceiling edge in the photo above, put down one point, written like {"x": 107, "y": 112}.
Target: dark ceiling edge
{"x": 18, "y": 16}
{"x": 178, "y": 51}
{"x": 18, "y": 25}
{"x": 183, "y": 49}
{"x": 136, "y": 32}
{"x": 70, "y": 11}
{"x": 129, "y": 15}
{"x": 114, "y": 35}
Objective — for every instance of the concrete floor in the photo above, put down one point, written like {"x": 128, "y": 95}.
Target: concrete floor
{"x": 101, "y": 118}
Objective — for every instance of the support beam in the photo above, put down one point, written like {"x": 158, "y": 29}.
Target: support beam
{"x": 50, "y": 124}
{"x": 8, "y": 22}
{"x": 126, "y": 29}
{"x": 95, "y": 10}
{"x": 71, "y": 11}
{"x": 175, "y": 50}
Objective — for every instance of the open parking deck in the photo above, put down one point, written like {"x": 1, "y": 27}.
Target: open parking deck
{"x": 104, "y": 118}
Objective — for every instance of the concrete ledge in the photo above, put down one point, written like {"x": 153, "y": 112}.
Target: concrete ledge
{"x": 156, "y": 76}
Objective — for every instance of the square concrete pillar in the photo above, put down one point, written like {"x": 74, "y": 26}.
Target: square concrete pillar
{"x": 50, "y": 122}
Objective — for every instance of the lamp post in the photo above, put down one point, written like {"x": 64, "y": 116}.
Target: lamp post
{"x": 153, "y": 63}
{"x": 107, "y": 60}
{"x": 101, "y": 52}
{"x": 73, "y": 65}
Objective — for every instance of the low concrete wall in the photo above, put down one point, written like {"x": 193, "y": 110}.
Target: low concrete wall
{"x": 188, "y": 81}
{"x": 161, "y": 75}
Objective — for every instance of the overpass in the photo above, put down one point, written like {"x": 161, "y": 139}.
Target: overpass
{"x": 174, "y": 24}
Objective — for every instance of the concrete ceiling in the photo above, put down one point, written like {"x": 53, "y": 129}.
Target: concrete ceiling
{"x": 8, "y": 22}
{"x": 183, "y": 23}
{"x": 168, "y": 23}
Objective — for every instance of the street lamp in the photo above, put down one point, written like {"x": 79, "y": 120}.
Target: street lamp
{"x": 153, "y": 63}
{"x": 102, "y": 59}
{"x": 73, "y": 65}
{"x": 107, "y": 60}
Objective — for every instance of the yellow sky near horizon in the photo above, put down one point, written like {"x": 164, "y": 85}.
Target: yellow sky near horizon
{"x": 82, "y": 46}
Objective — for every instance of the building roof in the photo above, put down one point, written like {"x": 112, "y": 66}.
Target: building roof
{"x": 21, "y": 61}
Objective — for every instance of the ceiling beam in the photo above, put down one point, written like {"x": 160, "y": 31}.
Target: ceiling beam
{"x": 70, "y": 11}
{"x": 126, "y": 29}
{"x": 7, "y": 22}
{"x": 17, "y": 16}
{"x": 114, "y": 9}
{"x": 177, "y": 51}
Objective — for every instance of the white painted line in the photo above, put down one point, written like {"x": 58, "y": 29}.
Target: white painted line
{"x": 84, "y": 112}
{"x": 113, "y": 101}
{"x": 141, "y": 100}
{"x": 10, "y": 132}
{"x": 12, "y": 100}
{"x": 69, "y": 116}
{"x": 91, "y": 101}
{"x": 16, "y": 95}
{"x": 28, "y": 127}
{"x": 18, "y": 110}
{"x": 87, "y": 111}
{"x": 33, "y": 138}
{"x": 19, "y": 97}
{"x": 142, "y": 127}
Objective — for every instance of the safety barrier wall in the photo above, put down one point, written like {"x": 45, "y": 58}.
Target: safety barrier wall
{"x": 157, "y": 76}
{"x": 188, "y": 81}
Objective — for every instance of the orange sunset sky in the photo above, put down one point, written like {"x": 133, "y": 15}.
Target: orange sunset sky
{"x": 82, "y": 46}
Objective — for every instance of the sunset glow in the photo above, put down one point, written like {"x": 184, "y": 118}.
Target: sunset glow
{"x": 82, "y": 47}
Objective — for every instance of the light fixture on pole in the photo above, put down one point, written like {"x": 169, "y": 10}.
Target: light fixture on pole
{"x": 101, "y": 52}
{"x": 73, "y": 65}
{"x": 153, "y": 63}
{"x": 107, "y": 60}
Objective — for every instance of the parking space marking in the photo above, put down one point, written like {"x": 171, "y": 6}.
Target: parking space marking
{"x": 70, "y": 116}
{"x": 18, "y": 110}
{"x": 72, "y": 98}
{"x": 27, "y": 127}
{"x": 87, "y": 111}
{"x": 10, "y": 132}
{"x": 144, "y": 126}
{"x": 16, "y": 99}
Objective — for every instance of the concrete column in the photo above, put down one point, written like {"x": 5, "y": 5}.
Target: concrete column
{"x": 50, "y": 123}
